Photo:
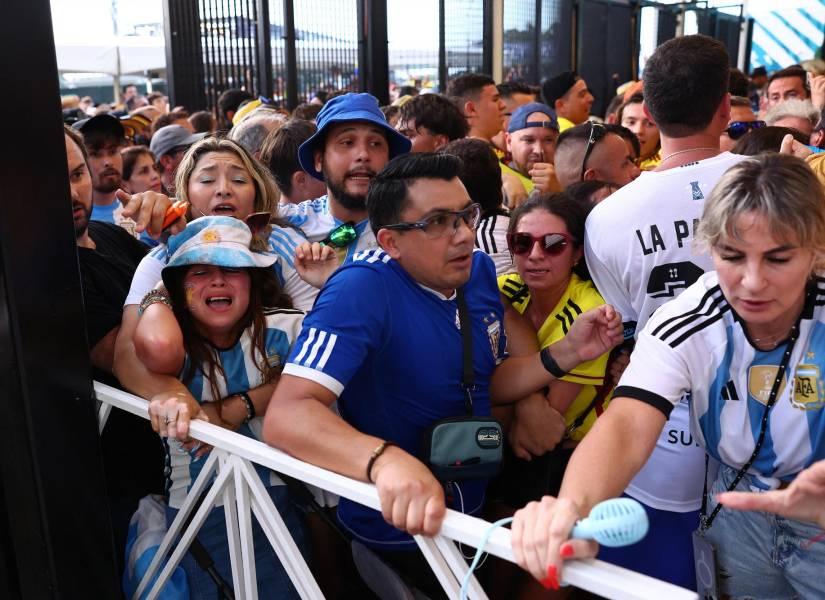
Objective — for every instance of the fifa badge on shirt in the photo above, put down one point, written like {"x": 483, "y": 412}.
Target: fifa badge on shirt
{"x": 760, "y": 382}
{"x": 807, "y": 388}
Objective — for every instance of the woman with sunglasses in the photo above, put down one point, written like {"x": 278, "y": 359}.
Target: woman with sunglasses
{"x": 551, "y": 289}
{"x": 745, "y": 345}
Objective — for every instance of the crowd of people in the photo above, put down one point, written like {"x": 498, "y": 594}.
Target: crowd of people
{"x": 589, "y": 306}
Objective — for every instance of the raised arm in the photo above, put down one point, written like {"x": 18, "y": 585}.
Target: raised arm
{"x": 595, "y": 332}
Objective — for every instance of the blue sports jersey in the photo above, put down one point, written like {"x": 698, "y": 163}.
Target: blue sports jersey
{"x": 391, "y": 350}
{"x": 240, "y": 374}
{"x": 696, "y": 345}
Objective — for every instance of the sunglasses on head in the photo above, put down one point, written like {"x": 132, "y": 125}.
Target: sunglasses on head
{"x": 342, "y": 236}
{"x": 597, "y": 132}
{"x": 739, "y": 128}
{"x": 551, "y": 244}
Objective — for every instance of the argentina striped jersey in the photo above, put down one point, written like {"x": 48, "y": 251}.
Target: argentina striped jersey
{"x": 240, "y": 374}
{"x": 696, "y": 345}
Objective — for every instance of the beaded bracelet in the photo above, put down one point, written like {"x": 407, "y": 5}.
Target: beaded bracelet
{"x": 374, "y": 456}
{"x": 250, "y": 408}
{"x": 153, "y": 297}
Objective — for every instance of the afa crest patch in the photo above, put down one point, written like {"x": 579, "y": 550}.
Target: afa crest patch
{"x": 494, "y": 336}
{"x": 807, "y": 388}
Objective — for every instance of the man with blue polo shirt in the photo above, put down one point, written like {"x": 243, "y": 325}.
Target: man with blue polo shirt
{"x": 384, "y": 340}
{"x": 353, "y": 142}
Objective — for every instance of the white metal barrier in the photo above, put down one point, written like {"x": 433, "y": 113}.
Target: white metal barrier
{"x": 242, "y": 493}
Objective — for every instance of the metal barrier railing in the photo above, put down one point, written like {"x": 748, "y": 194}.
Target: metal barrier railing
{"x": 240, "y": 490}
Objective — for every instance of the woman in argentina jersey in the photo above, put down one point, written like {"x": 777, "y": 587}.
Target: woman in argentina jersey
{"x": 219, "y": 177}
{"x": 725, "y": 341}
{"x": 216, "y": 331}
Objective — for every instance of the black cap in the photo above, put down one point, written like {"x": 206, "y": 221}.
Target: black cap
{"x": 558, "y": 86}
{"x": 105, "y": 123}
{"x": 759, "y": 72}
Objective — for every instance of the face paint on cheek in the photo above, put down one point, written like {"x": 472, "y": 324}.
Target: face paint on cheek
{"x": 189, "y": 292}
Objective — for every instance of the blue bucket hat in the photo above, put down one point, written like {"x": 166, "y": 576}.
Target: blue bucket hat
{"x": 518, "y": 120}
{"x": 349, "y": 107}
{"x": 218, "y": 241}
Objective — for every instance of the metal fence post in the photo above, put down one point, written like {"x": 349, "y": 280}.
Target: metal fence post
{"x": 373, "y": 50}
{"x": 184, "y": 57}
{"x": 290, "y": 56}
{"x": 263, "y": 46}
{"x": 55, "y": 538}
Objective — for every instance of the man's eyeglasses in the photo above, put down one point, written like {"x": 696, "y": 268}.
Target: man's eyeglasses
{"x": 739, "y": 128}
{"x": 597, "y": 132}
{"x": 443, "y": 223}
{"x": 342, "y": 236}
{"x": 551, "y": 244}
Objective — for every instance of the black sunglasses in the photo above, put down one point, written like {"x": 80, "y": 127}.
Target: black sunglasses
{"x": 739, "y": 128}
{"x": 597, "y": 132}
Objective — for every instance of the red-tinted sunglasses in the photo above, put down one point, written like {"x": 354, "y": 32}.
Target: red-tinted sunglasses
{"x": 551, "y": 244}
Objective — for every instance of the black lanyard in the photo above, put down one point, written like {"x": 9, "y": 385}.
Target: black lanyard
{"x": 467, "y": 378}
{"x": 706, "y": 521}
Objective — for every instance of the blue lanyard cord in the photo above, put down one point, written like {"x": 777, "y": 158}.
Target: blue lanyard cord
{"x": 465, "y": 584}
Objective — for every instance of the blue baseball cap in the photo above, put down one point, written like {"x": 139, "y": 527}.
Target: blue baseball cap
{"x": 349, "y": 107}
{"x": 218, "y": 241}
{"x": 518, "y": 120}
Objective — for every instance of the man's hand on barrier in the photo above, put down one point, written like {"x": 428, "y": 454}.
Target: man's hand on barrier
{"x": 540, "y": 539}
{"x": 595, "y": 332}
{"x": 537, "y": 427}
{"x": 411, "y": 498}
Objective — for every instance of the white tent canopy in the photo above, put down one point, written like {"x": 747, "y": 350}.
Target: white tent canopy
{"x": 113, "y": 55}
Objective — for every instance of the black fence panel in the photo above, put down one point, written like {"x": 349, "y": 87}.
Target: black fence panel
{"x": 463, "y": 36}
{"x": 326, "y": 46}
{"x": 667, "y": 25}
{"x": 556, "y": 37}
{"x": 520, "y": 60}
{"x": 606, "y": 44}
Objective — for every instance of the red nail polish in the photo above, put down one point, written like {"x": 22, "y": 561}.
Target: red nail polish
{"x": 551, "y": 582}
{"x": 566, "y": 551}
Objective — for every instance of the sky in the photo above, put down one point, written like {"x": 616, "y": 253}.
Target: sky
{"x": 77, "y": 20}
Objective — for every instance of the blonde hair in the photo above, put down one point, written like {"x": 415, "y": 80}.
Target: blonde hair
{"x": 779, "y": 187}
{"x": 266, "y": 193}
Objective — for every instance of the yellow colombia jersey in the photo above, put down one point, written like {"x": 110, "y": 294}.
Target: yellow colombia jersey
{"x": 579, "y": 297}
{"x": 525, "y": 181}
{"x": 564, "y": 124}
{"x": 651, "y": 163}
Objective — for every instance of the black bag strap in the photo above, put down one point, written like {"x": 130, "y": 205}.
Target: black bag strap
{"x": 467, "y": 376}
{"x": 706, "y": 521}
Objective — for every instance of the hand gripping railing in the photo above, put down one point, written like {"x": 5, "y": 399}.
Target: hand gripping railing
{"x": 242, "y": 493}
